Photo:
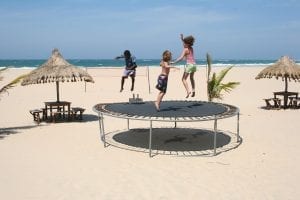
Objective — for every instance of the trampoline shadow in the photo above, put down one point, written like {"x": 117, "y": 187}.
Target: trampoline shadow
{"x": 174, "y": 141}
{"x": 89, "y": 118}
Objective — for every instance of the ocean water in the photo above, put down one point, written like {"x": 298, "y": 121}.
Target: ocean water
{"x": 94, "y": 63}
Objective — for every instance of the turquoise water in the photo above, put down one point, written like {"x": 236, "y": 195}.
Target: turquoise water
{"x": 33, "y": 63}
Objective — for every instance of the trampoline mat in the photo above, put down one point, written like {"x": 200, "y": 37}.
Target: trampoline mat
{"x": 168, "y": 109}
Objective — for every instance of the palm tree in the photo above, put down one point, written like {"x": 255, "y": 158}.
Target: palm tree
{"x": 214, "y": 83}
{"x": 10, "y": 85}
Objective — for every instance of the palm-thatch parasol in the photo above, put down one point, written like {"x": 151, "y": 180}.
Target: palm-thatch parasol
{"x": 56, "y": 69}
{"x": 285, "y": 68}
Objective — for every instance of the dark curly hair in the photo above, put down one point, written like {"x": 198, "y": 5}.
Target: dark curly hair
{"x": 189, "y": 40}
{"x": 127, "y": 54}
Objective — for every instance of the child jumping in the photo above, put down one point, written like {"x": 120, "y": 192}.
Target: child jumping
{"x": 162, "y": 80}
{"x": 130, "y": 66}
{"x": 190, "y": 67}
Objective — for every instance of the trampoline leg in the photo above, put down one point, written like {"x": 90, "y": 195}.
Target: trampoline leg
{"x": 148, "y": 79}
{"x": 127, "y": 124}
{"x": 238, "y": 127}
{"x": 100, "y": 127}
{"x": 102, "y": 130}
{"x": 150, "y": 139}
{"x": 215, "y": 136}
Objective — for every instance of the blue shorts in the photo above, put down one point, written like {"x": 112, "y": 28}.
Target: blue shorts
{"x": 162, "y": 83}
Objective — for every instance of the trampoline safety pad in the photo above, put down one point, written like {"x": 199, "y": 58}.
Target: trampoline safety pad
{"x": 170, "y": 110}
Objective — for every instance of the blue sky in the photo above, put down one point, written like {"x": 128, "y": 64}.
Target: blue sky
{"x": 228, "y": 29}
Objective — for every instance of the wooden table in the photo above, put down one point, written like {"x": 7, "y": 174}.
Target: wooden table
{"x": 61, "y": 107}
{"x": 286, "y": 95}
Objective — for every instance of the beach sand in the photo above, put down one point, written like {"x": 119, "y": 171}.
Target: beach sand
{"x": 68, "y": 161}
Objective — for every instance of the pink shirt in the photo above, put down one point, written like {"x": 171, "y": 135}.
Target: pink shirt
{"x": 190, "y": 57}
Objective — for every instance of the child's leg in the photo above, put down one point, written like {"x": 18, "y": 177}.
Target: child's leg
{"x": 122, "y": 84}
{"x": 192, "y": 83}
{"x": 158, "y": 100}
{"x": 132, "y": 83}
{"x": 185, "y": 84}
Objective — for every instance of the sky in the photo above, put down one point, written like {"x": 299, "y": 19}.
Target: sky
{"x": 94, "y": 29}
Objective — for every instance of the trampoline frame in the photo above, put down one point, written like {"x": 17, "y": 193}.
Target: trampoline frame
{"x": 230, "y": 112}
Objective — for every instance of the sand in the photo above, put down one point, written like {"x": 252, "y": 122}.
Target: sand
{"x": 68, "y": 161}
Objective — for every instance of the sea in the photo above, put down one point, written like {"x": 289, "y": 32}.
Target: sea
{"x": 100, "y": 63}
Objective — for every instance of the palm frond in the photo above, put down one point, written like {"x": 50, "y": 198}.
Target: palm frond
{"x": 211, "y": 87}
{"x": 230, "y": 85}
{"x": 208, "y": 71}
{"x": 209, "y": 62}
{"x": 227, "y": 87}
{"x": 214, "y": 83}
{"x": 12, "y": 84}
{"x": 222, "y": 74}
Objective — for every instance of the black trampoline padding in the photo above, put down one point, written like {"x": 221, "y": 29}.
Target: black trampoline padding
{"x": 168, "y": 109}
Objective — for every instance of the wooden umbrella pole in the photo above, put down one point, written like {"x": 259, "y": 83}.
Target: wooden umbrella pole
{"x": 286, "y": 84}
{"x": 57, "y": 91}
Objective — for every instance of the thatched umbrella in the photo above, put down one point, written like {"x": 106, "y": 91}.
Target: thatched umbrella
{"x": 285, "y": 68}
{"x": 56, "y": 69}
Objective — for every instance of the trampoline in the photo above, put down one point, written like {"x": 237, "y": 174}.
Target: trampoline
{"x": 171, "y": 111}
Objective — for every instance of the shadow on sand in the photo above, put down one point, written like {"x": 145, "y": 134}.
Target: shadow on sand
{"x": 4, "y": 132}
{"x": 85, "y": 118}
{"x": 174, "y": 141}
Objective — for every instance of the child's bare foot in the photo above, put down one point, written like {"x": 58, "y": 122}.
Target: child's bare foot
{"x": 156, "y": 106}
{"x": 188, "y": 94}
{"x": 121, "y": 89}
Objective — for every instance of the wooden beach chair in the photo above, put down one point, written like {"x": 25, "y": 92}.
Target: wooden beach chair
{"x": 276, "y": 103}
{"x": 77, "y": 112}
{"x": 36, "y": 115}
